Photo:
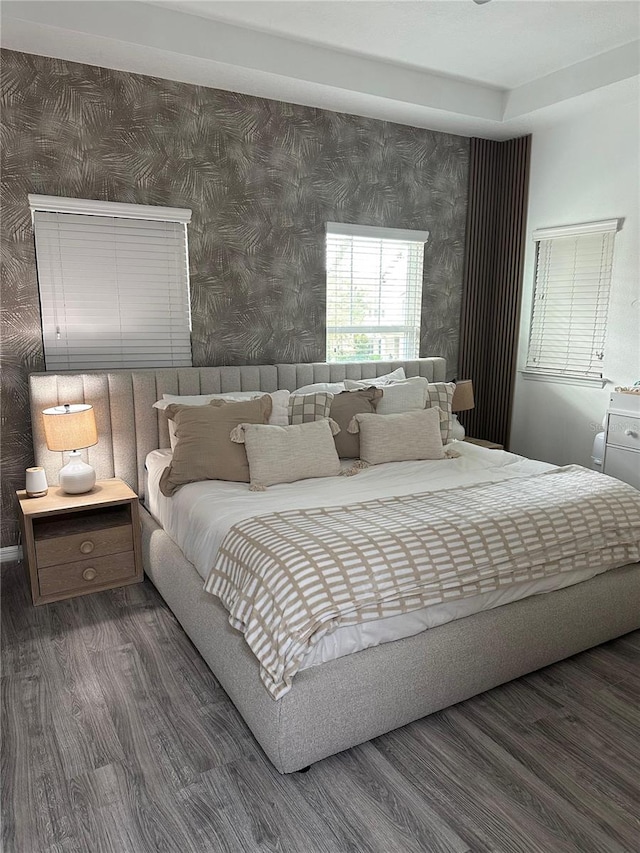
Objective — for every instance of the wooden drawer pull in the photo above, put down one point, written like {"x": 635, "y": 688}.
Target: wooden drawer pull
{"x": 89, "y": 574}
{"x": 87, "y": 546}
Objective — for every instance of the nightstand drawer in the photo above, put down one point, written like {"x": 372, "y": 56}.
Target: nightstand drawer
{"x": 82, "y": 546}
{"x": 622, "y": 464}
{"x": 83, "y": 575}
{"x": 624, "y": 432}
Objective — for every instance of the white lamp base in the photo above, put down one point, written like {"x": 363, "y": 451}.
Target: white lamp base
{"x": 76, "y": 477}
{"x": 457, "y": 430}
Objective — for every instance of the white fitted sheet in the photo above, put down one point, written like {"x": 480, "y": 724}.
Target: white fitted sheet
{"x": 199, "y": 515}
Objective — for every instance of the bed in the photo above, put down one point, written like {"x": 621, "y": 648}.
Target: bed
{"x": 339, "y": 699}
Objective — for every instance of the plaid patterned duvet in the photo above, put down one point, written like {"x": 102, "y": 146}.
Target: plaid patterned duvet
{"x": 289, "y": 578}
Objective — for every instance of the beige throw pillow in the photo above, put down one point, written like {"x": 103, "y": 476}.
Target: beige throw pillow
{"x": 279, "y": 405}
{"x": 343, "y": 408}
{"x": 399, "y": 438}
{"x": 286, "y": 454}
{"x": 204, "y": 450}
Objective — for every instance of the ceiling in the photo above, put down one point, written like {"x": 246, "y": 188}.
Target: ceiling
{"x": 528, "y": 38}
{"x": 494, "y": 70}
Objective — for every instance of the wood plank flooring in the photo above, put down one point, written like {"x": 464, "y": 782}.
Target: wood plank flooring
{"x": 118, "y": 739}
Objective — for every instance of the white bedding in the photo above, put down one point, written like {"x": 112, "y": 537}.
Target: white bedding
{"x": 199, "y": 515}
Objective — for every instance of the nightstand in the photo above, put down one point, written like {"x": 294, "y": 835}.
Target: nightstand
{"x": 77, "y": 544}
{"x": 622, "y": 443}
{"x": 481, "y": 442}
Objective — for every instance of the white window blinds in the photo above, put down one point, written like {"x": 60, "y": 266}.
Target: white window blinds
{"x": 571, "y": 298}
{"x": 374, "y": 292}
{"x": 114, "y": 289}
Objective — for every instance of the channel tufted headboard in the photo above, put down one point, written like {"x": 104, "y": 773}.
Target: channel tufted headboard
{"x": 128, "y": 426}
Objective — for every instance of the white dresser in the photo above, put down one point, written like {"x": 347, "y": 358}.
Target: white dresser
{"x": 622, "y": 442}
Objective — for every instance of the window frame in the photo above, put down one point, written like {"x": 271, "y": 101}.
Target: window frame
{"x": 174, "y": 324}
{"x": 600, "y": 282}
{"x": 375, "y": 233}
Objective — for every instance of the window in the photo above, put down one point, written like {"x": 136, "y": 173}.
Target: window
{"x": 114, "y": 284}
{"x": 571, "y": 298}
{"x": 374, "y": 292}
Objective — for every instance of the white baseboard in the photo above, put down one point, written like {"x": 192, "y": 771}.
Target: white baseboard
{"x": 10, "y": 554}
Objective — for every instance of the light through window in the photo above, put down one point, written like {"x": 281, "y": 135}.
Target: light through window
{"x": 374, "y": 292}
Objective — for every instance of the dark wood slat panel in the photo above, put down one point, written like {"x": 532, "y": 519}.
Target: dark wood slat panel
{"x": 494, "y": 256}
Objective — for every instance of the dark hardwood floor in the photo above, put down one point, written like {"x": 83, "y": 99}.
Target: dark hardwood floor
{"x": 116, "y": 737}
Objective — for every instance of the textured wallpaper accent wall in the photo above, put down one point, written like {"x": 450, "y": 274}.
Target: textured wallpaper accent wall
{"x": 262, "y": 177}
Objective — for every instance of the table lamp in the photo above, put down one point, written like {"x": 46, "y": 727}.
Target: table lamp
{"x": 72, "y": 427}
{"x": 462, "y": 401}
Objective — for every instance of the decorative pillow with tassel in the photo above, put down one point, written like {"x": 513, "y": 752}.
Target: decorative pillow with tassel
{"x": 401, "y": 437}
{"x": 279, "y": 454}
{"x": 343, "y": 408}
{"x": 203, "y": 450}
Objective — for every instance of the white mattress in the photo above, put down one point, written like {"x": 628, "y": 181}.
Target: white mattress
{"x": 199, "y": 515}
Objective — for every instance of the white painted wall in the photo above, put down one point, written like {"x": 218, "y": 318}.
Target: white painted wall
{"x": 582, "y": 170}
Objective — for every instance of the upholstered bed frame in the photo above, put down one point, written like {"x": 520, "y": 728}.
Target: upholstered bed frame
{"x": 355, "y": 698}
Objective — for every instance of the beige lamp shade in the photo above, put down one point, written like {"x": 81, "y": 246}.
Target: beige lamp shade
{"x": 70, "y": 427}
{"x": 463, "y": 396}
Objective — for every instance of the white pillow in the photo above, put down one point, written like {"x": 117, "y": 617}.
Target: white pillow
{"x": 279, "y": 401}
{"x": 375, "y": 382}
{"x": 184, "y": 400}
{"x": 406, "y": 396}
{"x": 279, "y": 405}
{"x": 400, "y": 437}
{"x": 279, "y": 454}
{"x": 320, "y": 387}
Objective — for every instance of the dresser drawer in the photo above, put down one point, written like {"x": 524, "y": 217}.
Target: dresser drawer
{"x": 622, "y": 464}
{"x": 624, "y": 432}
{"x": 84, "y": 575}
{"x": 80, "y": 546}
